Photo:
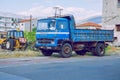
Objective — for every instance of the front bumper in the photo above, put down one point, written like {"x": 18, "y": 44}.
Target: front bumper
{"x": 50, "y": 46}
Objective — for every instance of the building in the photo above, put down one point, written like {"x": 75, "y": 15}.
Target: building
{"x": 96, "y": 19}
{"x": 111, "y": 18}
{"x": 8, "y": 21}
{"x": 28, "y": 24}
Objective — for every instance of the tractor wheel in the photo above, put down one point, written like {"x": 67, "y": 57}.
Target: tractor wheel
{"x": 66, "y": 50}
{"x": 46, "y": 52}
{"x": 82, "y": 52}
{"x": 2, "y": 46}
{"x": 10, "y": 45}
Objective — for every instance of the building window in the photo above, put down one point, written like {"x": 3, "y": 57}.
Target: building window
{"x": 33, "y": 25}
{"x": 118, "y": 3}
{"x": 118, "y": 27}
{"x": 12, "y": 24}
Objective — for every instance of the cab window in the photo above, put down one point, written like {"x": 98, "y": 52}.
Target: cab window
{"x": 62, "y": 25}
{"x": 18, "y": 35}
{"x": 10, "y": 34}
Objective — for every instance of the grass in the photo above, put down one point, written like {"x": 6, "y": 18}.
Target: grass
{"x": 18, "y": 54}
{"x": 110, "y": 50}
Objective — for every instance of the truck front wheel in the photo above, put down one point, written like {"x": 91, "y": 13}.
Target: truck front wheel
{"x": 99, "y": 50}
{"x": 66, "y": 50}
{"x": 47, "y": 52}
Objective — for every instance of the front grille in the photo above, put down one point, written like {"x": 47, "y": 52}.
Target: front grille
{"x": 45, "y": 41}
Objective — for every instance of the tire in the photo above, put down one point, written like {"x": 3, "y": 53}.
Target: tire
{"x": 99, "y": 50}
{"x": 82, "y": 52}
{"x": 2, "y": 46}
{"x": 66, "y": 50}
{"x": 47, "y": 52}
{"x": 10, "y": 45}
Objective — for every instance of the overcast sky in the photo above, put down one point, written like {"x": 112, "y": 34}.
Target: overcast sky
{"x": 42, "y": 8}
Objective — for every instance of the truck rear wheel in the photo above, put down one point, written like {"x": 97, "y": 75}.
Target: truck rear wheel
{"x": 47, "y": 52}
{"x": 66, "y": 50}
{"x": 82, "y": 52}
{"x": 99, "y": 50}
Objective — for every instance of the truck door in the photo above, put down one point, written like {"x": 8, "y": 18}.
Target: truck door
{"x": 63, "y": 29}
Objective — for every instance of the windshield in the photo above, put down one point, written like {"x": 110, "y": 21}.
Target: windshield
{"x": 16, "y": 35}
{"x": 46, "y": 25}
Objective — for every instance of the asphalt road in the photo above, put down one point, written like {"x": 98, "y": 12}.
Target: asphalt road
{"x": 77, "y": 68}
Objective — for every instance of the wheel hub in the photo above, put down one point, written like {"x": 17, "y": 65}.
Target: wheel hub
{"x": 7, "y": 45}
{"x": 66, "y": 50}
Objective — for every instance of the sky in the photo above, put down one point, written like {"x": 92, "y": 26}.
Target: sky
{"x": 81, "y": 9}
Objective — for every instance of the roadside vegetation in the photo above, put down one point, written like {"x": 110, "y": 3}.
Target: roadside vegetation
{"x": 30, "y": 36}
{"x": 19, "y": 54}
{"x": 110, "y": 50}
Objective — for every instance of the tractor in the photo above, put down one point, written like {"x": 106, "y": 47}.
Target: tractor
{"x": 14, "y": 40}
{"x": 2, "y": 37}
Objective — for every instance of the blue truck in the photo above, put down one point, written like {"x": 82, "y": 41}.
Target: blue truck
{"x": 59, "y": 34}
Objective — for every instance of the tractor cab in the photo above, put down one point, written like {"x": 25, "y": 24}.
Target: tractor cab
{"x": 16, "y": 35}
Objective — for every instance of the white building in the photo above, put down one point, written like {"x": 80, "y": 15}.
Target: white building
{"x": 27, "y": 24}
{"x": 111, "y": 18}
{"x": 9, "y": 21}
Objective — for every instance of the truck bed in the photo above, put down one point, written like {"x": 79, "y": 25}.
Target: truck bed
{"x": 85, "y": 35}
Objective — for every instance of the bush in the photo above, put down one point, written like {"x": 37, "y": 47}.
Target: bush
{"x": 30, "y": 36}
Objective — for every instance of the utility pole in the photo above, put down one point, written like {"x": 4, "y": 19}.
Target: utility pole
{"x": 60, "y": 10}
{"x": 56, "y": 9}
{"x": 30, "y": 23}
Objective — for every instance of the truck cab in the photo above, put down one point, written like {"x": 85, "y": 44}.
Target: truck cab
{"x": 58, "y": 34}
{"x": 52, "y": 30}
